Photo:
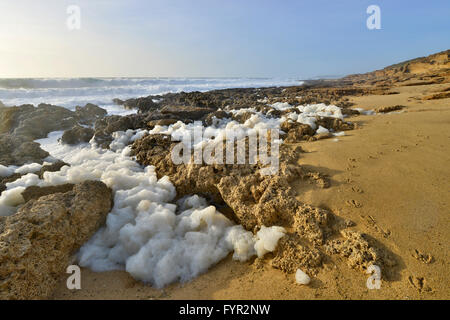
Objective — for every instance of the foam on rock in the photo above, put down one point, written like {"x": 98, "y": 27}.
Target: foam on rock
{"x": 147, "y": 234}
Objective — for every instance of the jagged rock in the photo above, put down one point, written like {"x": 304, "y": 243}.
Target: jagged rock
{"x": 36, "y": 243}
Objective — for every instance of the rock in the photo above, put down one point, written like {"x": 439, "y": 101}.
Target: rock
{"x": 118, "y": 101}
{"x": 89, "y": 113}
{"x": 47, "y": 168}
{"x": 19, "y": 151}
{"x": 323, "y": 135}
{"x": 334, "y": 124}
{"x": 185, "y": 112}
{"x": 38, "y": 122}
{"x": 161, "y": 122}
{"x": 36, "y": 243}
{"x": 259, "y": 200}
{"x": 350, "y": 112}
{"x": 389, "y": 109}
{"x": 106, "y": 126}
{"x": 297, "y": 131}
{"x": 143, "y": 105}
{"x": 52, "y": 168}
{"x": 35, "y": 192}
{"x": 76, "y": 135}
{"x": 208, "y": 120}
{"x": 20, "y": 126}
{"x": 242, "y": 117}
{"x": 5, "y": 180}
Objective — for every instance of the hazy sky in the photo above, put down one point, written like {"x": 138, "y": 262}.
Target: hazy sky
{"x": 283, "y": 38}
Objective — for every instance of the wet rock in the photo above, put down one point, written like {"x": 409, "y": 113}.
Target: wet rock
{"x": 36, "y": 243}
{"x": 47, "y": 168}
{"x": 89, "y": 113}
{"x": 52, "y": 168}
{"x": 106, "y": 126}
{"x": 76, "y": 135}
{"x": 143, "y": 105}
{"x": 118, "y": 101}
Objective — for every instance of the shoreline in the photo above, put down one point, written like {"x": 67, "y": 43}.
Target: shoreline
{"x": 367, "y": 179}
{"x": 336, "y": 281}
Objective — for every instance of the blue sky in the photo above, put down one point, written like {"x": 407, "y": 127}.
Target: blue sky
{"x": 257, "y": 38}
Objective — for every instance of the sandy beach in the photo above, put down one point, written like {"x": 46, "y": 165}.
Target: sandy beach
{"x": 361, "y": 183}
{"x": 389, "y": 176}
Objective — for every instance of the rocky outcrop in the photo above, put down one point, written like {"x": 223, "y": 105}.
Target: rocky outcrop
{"x": 256, "y": 200}
{"x": 432, "y": 69}
{"x": 20, "y": 126}
{"x": 36, "y": 243}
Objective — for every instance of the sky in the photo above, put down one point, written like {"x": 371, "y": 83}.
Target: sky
{"x": 215, "y": 38}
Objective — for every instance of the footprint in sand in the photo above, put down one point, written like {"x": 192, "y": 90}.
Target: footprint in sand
{"x": 422, "y": 257}
{"x": 419, "y": 283}
{"x": 353, "y": 203}
{"x": 371, "y": 222}
{"x": 357, "y": 189}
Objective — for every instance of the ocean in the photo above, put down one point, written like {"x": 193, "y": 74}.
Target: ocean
{"x": 71, "y": 92}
